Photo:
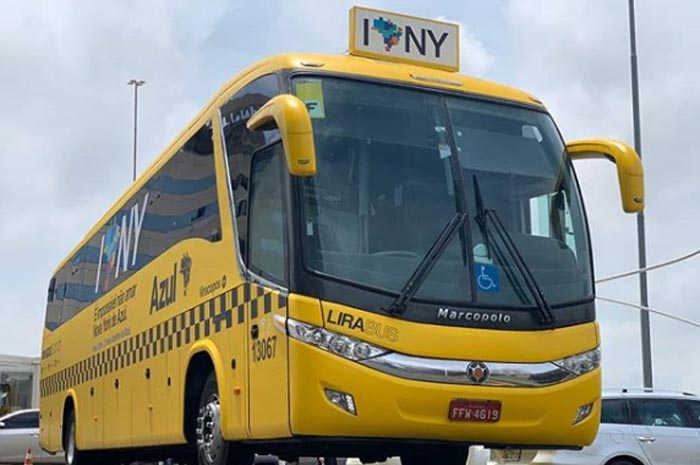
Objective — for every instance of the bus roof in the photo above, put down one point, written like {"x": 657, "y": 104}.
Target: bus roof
{"x": 318, "y": 63}
{"x": 379, "y": 69}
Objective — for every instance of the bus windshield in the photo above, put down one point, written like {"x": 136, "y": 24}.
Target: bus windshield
{"x": 395, "y": 166}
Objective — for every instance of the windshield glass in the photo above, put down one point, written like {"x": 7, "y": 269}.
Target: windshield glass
{"x": 394, "y": 167}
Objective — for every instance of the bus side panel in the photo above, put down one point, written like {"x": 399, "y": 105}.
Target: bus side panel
{"x": 95, "y": 438}
{"x": 157, "y": 378}
{"x": 173, "y": 432}
{"x": 235, "y": 419}
{"x": 141, "y": 414}
{"x": 50, "y": 422}
{"x": 49, "y": 404}
{"x": 89, "y": 421}
{"x": 268, "y": 370}
{"x": 199, "y": 309}
{"x": 117, "y": 408}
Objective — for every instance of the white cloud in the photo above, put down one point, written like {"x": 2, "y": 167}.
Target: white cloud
{"x": 474, "y": 59}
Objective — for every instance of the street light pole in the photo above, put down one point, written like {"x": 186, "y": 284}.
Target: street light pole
{"x": 136, "y": 83}
{"x": 641, "y": 234}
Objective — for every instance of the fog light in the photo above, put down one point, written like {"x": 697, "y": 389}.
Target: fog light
{"x": 342, "y": 400}
{"x": 583, "y": 412}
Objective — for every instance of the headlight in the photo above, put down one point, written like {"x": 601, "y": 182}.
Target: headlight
{"x": 338, "y": 344}
{"x": 581, "y": 363}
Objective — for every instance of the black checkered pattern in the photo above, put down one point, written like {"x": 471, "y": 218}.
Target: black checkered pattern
{"x": 212, "y": 316}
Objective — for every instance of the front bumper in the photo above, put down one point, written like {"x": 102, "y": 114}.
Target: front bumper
{"x": 393, "y": 407}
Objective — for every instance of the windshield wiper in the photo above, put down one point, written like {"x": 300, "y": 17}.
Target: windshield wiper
{"x": 426, "y": 264}
{"x": 482, "y": 218}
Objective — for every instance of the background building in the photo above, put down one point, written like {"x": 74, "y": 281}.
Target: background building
{"x": 19, "y": 383}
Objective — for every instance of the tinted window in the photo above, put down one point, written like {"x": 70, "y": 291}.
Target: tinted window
{"x": 267, "y": 232}
{"x": 390, "y": 160}
{"x": 178, "y": 202}
{"x": 54, "y": 306}
{"x": 615, "y": 411}
{"x": 23, "y": 420}
{"x": 241, "y": 143}
{"x": 693, "y": 408}
{"x": 658, "y": 412}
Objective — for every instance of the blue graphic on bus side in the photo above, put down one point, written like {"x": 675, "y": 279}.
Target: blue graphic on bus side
{"x": 486, "y": 277}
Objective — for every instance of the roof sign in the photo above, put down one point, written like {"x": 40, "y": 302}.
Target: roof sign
{"x": 395, "y": 37}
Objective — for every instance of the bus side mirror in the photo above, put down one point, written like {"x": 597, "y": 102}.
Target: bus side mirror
{"x": 289, "y": 114}
{"x": 630, "y": 173}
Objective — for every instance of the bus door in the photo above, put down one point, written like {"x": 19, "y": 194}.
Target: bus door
{"x": 268, "y": 376}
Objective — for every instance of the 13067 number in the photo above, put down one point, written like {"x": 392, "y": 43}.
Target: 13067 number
{"x": 264, "y": 349}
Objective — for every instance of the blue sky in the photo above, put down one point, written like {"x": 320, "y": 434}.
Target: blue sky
{"x": 66, "y": 128}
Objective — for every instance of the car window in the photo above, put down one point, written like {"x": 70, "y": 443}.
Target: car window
{"x": 615, "y": 411}
{"x": 659, "y": 412}
{"x": 693, "y": 408}
{"x": 22, "y": 420}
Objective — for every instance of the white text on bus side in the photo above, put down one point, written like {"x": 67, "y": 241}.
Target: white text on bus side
{"x": 125, "y": 233}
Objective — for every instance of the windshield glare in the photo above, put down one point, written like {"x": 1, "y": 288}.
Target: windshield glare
{"x": 392, "y": 172}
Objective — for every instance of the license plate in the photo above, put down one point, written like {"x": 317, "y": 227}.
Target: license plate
{"x": 512, "y": 455}
{"x": 481, "y": 411}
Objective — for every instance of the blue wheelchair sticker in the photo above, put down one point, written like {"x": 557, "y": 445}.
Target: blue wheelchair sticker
{"x": 486, "y": 277}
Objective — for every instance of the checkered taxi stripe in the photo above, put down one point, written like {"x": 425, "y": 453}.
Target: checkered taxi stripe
{"x": 212, "y": 316}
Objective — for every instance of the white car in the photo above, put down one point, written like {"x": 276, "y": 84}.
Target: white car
{"x": 19, "y": 431}
{"x": 638, "y": 427}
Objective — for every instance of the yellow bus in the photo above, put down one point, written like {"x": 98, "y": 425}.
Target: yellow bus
{"x": 348, "y": 255}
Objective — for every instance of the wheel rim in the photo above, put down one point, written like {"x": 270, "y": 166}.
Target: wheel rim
{"x": 70, "y": 447}
{"x": 209, "y": 441}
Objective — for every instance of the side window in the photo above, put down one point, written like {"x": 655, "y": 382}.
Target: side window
{"x": 267, "y": 245}
{"x": 54, "y": 304}
{"x": 615, "y": 411}
{"x": 186, "y": 187}
{"x": 550, "y": 217}
{"x": 179, "y": 202}
{"x": 693, "y": 409}
{"x": 23, "y": 420}
{"x": 76, "y": 294}
{"x": 659, "y": 412}
{"x": 241, "y": 143}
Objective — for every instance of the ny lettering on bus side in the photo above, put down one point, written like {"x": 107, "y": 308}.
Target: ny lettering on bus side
{"x": 126, "y": 232}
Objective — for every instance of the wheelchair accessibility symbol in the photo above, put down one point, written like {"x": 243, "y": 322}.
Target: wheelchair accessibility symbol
{"x": 487, "y": 278}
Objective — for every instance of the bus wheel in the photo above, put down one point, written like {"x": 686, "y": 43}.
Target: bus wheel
{"x": 443, "y": 456}
{"x": 212, "y": 449}
{"x": 73, "y": 456}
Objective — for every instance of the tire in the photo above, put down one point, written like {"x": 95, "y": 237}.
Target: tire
{"x": 210, "y": 446}
{"x": 73, "y": 455}
{"x": 441, "y": 456}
